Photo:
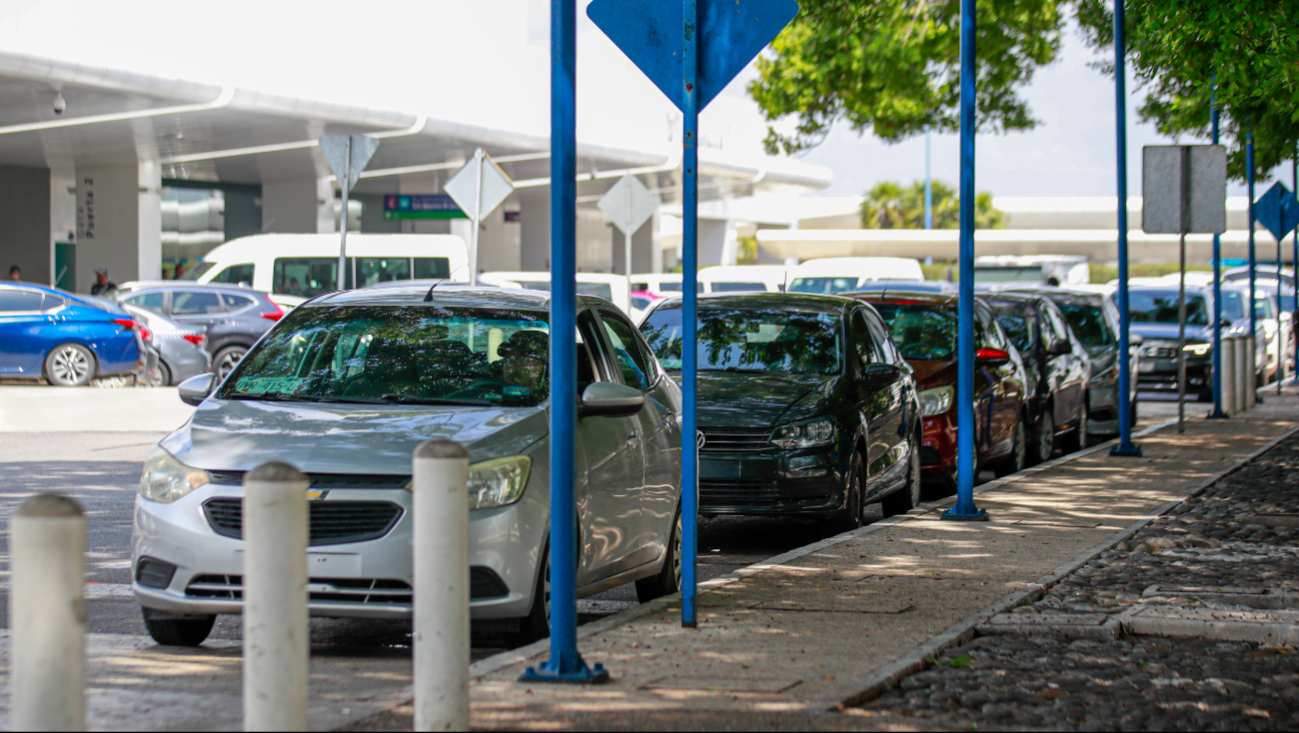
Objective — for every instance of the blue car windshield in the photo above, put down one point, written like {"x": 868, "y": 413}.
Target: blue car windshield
{"x": 751, "y": 340}
{"x": 425, "y": 355}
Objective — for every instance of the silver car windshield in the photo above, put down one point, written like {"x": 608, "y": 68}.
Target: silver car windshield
{"x": 400, "y": 355}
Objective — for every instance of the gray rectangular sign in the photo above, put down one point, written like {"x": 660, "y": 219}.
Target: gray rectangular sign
{"x": 1184, "y": 189}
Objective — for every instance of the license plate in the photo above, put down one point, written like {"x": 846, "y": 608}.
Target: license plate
{"x": 333, "y": 565}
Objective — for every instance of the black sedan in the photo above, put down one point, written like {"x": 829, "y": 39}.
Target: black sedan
{"x": 805, "y": 406}
{"x": 1056, "y": 366}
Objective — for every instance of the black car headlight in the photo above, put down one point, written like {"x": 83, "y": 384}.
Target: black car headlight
{"x": 805, "y": 434}
{"x": 1197, "y": 349}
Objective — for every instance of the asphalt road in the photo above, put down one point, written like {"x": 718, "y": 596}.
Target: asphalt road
{"x": 101, "y": 469}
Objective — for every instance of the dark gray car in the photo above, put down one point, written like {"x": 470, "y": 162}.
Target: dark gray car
{"x": 234, "y": 316}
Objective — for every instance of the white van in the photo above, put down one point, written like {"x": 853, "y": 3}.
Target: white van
{"x": 294, "y": 267}
{"x": 612, "y": 288}
{"x": 661, "y": 284}
{"x": 744, "y": 278}
{"x": 845, "y": 274}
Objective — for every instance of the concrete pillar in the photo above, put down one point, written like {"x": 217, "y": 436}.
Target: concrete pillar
{"x": 119, "y": 223}
{"x": 718, "y": 242}
{"x": 534, "y": 229}
{"x": 372, "y": 221}
{"x": 26, "y": 215}
{"x": 298, "y": 206}
{"x": 243, "y": 214}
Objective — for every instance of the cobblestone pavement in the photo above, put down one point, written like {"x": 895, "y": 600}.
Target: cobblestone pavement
{"x": 1234, "y": 539}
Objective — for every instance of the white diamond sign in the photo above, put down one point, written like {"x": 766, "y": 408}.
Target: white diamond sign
{"x": 629, "y": 204}
{"x": 478, "y": 189}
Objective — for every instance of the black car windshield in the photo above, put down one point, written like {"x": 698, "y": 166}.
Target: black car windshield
{"x": 1160, "y": 306}
{"x": 923, "y": 332}
{"x": 393, "y": 354}
{"x": 1018, "y": 322}
{"x": 1088, "y": 323}
{"x": 751, "y": 340}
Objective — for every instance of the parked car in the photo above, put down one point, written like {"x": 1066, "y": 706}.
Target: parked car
{"x": 180, "y": 349}
{"x": 910, "y": 286}
{"x": 468, "y": 365}
{"x": 845, "y": 274}
{"x": 233, "y": 316}
{"x": 1057, "y": 368}
{"x": 744, "y": 278}
{"x": 805, "y": 407}
{"x": 1094, "y": 320}
{"x": 924, "y": 327}
{"x": 66, "y": 339}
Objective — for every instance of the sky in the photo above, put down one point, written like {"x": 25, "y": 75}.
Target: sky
{"x": 486, "y": 62}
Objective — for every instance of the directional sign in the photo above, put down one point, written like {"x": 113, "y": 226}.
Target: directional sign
{"x": 421, "y": 206}
{"x": 1278, "y": 211}
{"x": 629, "y": 204}
{"x": 464, "y": 186}
{"x": 731, "y": 34}
{"x": 337, "y": 150}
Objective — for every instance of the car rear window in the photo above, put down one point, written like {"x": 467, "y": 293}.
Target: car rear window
{"x": 186, "y": 303}
{"x": 16, "y": 301}
{"x": 922, "y": 332}
{"x": 751, "y": 340}
{"x": 237, "y": 302}
{"x": 823, "y": 285}
{"x": 151, "y": 300}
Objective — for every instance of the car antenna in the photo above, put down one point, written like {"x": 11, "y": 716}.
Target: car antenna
{"x": 428, "y": 297}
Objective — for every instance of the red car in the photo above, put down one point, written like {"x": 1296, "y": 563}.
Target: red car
{"x": 924, "y": 327}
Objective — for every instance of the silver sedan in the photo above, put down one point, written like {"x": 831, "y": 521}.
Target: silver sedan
{"x": 345, "y": 388}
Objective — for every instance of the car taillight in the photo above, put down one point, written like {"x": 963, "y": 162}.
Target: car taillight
{"x": 145, "y": 333}
{"x": 194, "y": 338}
{"x": 126, "y": 323}
{"x": 274, "y": 315}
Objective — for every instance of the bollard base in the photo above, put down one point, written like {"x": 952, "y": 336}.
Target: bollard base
{"x": 1126, "y": 451}
{"x": 1217, "y": 415}
{"x": 979, "y": 515}
{"x": 596, "y": 675}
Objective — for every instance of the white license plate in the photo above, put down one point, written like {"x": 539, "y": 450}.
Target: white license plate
{"x": 333, "y": 565}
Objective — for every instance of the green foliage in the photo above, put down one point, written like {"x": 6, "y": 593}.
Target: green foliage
{"x": 890, "y": 205}
{"x": 747, "y": 251}
{"x": 962, "y": 661}
{"x": 1176, "y": 47}
{"x": 893, "y": 67}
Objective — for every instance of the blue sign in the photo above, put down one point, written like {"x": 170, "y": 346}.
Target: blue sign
{"x": 436, "y": 206}
{"x": 1278, "y": 211}
{"x": 731, "y": 34}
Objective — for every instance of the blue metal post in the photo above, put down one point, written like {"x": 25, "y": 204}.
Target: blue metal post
{"x": 1253, "y": 264}
{"x": 1217, "y": 414}
{"x": 929, "y": 179}
{"x": 1294, "y": 269}
{"x": 965, "y": 508}
{"x": 1125, "y": 446}
{"x": 565, "y": 664}
{"x": 689, "y": 343}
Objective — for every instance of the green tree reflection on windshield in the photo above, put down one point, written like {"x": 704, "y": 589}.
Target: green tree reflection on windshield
{"x": 751, "y": 339}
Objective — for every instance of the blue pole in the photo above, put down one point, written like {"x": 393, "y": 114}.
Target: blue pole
{"x": 565, "y": 664}
{"x": 1294, "y": 269}
{"x": 1218, "y": 414}
{"x": 689, "y": 291}
{"x": 1125, "y": 447}
{"x": 965, "y": 508}
{"x": 1253, "y": 314}
{"x": 929, "y": 180}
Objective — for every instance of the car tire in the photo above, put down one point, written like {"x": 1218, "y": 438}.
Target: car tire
{"x": 170, "y": 631}
{"x": 1044, "y": 445}
{"x": 227, "y": 359}
{"x": 536, "y": 625}
{"x": 1077, "y": 440}
{"x": 908, "y": 497}
{"x": 668, "y": 579}
{"x": 70, "y": 365}
{"x": 1018, "y": 458}
{"x": 850, "y": 517}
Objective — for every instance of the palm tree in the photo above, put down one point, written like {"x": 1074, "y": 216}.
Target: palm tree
{"x": 889, "y": 205}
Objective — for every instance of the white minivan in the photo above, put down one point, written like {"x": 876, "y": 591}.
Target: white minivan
{"x": 718, "y": 279}
{"x": 846, "y": 274}
{"x": 612, "y": 288}
{"x": 294, "y": 267}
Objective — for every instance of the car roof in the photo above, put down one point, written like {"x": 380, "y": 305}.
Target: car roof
{"x": 1059, "y": 293}
{"x": 939, "y": 299}
{"x": 47, "y": 289}
{"x": 458, "y": 297}
{"x": 805, "y": 302}
{"x": 184, "y": 285}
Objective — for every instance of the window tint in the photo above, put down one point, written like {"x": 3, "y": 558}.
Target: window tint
{"x": 589, "y": 367}
{"x": 1160, "y": 306}
{"x": 152, "y": 301}
{"x": 306, "y": 277}
{"x": 52, "y": 302}
{"x": 195, "y": 304}
{"x": 373, "y": 270}
{"x": 1019, "y": 328}
{"x": 626, "y": 350}
{"x": 234, "y": 274}
{"x": 13, "y": 301}
{"x": 864, "y": 347}
{"x": 432, "y": 268}
{"x": 237, "y": 302}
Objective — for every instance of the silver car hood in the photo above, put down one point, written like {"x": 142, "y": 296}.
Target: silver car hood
{"x": 239, "y": 435}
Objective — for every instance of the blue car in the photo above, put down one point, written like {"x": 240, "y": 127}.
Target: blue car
{"x": 66, "y": 339}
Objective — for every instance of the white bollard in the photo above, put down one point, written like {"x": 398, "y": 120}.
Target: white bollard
{"x": 47, "y": 615}
{"x": 1251, "y": 377}
{"x": 441, "y": 564}
{"x": 1228, "y": 376}
{"x": 275, "y": 598}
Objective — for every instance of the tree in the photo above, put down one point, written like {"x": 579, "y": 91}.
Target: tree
{"x": 1177, "y": 47}
{"x": 893, "y": 67}
{"x": 889, "y": 205}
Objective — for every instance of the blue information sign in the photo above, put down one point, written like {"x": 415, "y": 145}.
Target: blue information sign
{"x": 1278, "y": 211}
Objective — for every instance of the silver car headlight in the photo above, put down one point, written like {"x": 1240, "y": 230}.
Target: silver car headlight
{"x": 498, "y": 482}
{"x": 804, "y": 435}
{"x": 166, "y": 479}
{"x": 936, "y": 401}
{"x": 1197, "y": 349}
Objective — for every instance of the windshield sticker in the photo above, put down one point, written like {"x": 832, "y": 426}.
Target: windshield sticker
{"x": 257, "y": 385}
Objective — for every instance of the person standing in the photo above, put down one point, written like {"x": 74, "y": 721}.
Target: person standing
{"x": 180, "y": 271}
{"x": 102, "y": 285}
{"x": 15, "y": 274}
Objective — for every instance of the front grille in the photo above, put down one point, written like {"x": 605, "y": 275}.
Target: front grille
{"x": 761, "y": 493}
{"x": 331, "y": 523}
{"x": 1159, "y": 351}
{"x": 368, "y": 591}
{"x": 737, "y": 440}
{"x": 327, "y": 480}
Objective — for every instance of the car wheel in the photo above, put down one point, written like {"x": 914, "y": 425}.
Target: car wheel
{"x": 1014, "y": 463}
{"x": 227, "y": 359}
{"x": 160, "y": 377}
{"x": 171, "y": 631}
{"x": 849, "y": 518}
{"x": 908, "y": 497}
{"x": 1077, "y": 440}
{"x": 536, "y": 625}
{"x": 1044, "y": 446}
{"x": 668, "y": 580}
{"x": 70, "y": 365}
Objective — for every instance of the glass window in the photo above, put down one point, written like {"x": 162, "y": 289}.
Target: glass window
{"x": 751, "y": 340}
{"x": 151, "y": 300}
{"x": 1018, "y": 325}
{"x": 234, "y": 275}
{"x": 19, "y": 301}
{"x": 52, "y": 302}
{"x": 432, "y": 268}
{"x": 635, "y": 367}
{"x": 237, "y": 302}
{"x": 199, "y": 270}
{"x": 824, "y": 285}
{"x": 305, "y": 277}
{"x": 883, "y": 342}
{"x": 864, "y": 346}
{"x": 922, "y": 332}
{"x": 374, "y": 270}
{"x": 185, "y": 303}
{"x": 1160, "y": 306}
{"x": 400, "y": 355}
{"x": 1088, "y": 322}
{"x": 739, "y": 287}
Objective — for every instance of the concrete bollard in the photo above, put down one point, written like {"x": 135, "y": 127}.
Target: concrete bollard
{"x": 1251, "y": 378}
{"x": 1242, "y": 368}
{"x": 47, "y": 615}
{"x": 441, "y": 564}
{"x": 275, "y": 598}
{"x": 1228, "y": 376}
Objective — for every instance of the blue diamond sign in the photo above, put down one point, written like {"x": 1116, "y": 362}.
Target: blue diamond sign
{"x": 731, "y": 34}
{"x": 1278, "y": 211}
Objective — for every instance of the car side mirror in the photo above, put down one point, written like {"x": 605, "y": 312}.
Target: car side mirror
{"x": 607, "y": 399}
{"x": 196, "y": 389}
{"x": 991, "y": 357}
{"x": 1060, "y": 348}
